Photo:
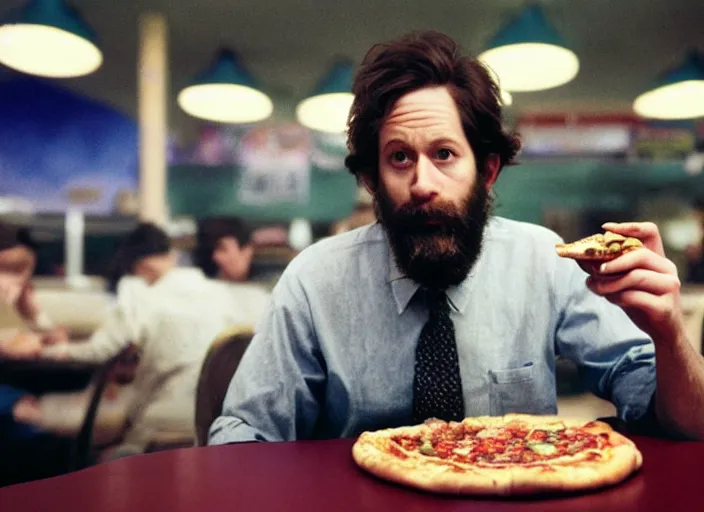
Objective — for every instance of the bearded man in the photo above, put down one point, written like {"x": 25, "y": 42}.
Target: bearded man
{"x": 441, "y": 309}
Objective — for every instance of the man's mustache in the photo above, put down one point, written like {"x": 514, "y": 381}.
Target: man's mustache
{"x": 439, "y": 218}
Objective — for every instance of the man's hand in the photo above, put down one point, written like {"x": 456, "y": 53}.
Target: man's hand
{"x": 643, "y": 282}
{"x": 23, "y": 345}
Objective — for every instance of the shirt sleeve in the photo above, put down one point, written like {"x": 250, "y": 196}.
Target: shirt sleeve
{"x": 277, "y": 388}
{"x": 615, "y": 358}
{"x": 124, "y": 324}
{"x": 42, "y": 322}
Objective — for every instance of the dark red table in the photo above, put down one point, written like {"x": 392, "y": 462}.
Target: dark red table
{"x": 321, "y": 475}
{"x": 38, "y": 376}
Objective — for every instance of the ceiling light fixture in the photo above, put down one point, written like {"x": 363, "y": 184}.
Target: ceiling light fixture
{"x": 528, "y": 54}
{"x": 48, "y": 38}
{"x": 225, "y": 93}
{"x": 328, "y": 108}
{"x": 678, "y": 93}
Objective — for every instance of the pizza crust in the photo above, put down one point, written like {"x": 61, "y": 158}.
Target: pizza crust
{"x": 378, "y": 454}
{"x": 618, "y": 465}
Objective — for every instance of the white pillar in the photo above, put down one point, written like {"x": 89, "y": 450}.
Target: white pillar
{"x": 74, "y": 231}
{"x": 152, "y": 74}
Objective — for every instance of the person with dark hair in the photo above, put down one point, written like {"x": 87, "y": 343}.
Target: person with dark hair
{"x": 170, "y": 315}
{"x": 145, "y": 253}
{"x": 224, "y": 251}
{"x": 224, "y": 248}
{"x": 18, "y": 258}
{"x": 18, "y": 305}
{"x": 27, "y": 452}
{"x": 441, "y": 309}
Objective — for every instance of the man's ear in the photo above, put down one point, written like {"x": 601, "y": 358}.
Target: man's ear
{"x": 492, "y": 166}
{"x": 369, "y": 183}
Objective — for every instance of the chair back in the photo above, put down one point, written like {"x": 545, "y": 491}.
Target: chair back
{"x": 219, "y": 366}
{"x": 111, "y": 370}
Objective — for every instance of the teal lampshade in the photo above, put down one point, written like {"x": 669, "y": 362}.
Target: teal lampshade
{"x": 225, "y": 93}
{"x": 328, "y": 108}
{"x": 49, "y": 38}
{"x": 528, "y": 54}
{"x": 678, "y": 93}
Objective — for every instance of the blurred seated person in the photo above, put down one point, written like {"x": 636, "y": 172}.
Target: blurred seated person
{"x": 171, "y": 315}
{"x": 27, "y": 453}
{"x": 362, "y": 215}
{"x": 225, "y": 251}
{"x": 18, "y": 260}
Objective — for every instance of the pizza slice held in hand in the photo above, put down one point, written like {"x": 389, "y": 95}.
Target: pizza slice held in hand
{"x": 599, "y": 247}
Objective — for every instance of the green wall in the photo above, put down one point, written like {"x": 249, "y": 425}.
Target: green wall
{"x": 201, "y": 191}
{"x": 522, "y": 191}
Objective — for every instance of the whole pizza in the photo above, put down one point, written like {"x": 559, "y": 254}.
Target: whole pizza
{"x": 500, "y": 455}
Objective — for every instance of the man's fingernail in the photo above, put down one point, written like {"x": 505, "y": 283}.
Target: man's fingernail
{"x": 602, "y": 268}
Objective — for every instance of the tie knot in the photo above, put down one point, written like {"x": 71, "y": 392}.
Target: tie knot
{"x": 437, "y": 301}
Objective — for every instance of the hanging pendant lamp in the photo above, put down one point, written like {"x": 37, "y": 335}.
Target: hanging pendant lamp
{"x": 678, "y": 93}
{"x": 327, "y": 109}
{"x": 528, "y": 54}
{"x": 225, "y": 93}
{"x": 48, "y": 38}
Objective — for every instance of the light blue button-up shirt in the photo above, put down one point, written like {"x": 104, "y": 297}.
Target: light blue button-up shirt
{"x": 335, "y": 353}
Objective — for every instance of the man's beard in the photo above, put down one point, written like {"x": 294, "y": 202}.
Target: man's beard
{"x": 436, "y": 245}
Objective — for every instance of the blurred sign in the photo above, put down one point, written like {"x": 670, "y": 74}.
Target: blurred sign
{"x": 275, "y": 164}
{"x": 576, "y": 140}
{"x": 84, "y": 195}
{"x": 663, "y": 143}
{"x": 329, "y": 151}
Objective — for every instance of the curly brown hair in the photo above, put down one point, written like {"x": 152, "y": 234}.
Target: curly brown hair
{"x": 424, "y": 59}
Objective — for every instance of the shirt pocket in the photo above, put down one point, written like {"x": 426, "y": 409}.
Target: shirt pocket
{"x": 516, "y": 390}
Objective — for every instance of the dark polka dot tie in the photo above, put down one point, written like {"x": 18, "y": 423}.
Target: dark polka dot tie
{"x": 437, "y": 385}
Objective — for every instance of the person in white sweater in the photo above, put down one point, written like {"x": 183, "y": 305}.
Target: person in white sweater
{"x": 171, "y": 315}
{"x": 224, "y": 251}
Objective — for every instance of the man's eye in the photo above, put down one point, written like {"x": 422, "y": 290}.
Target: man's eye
{"x": 444, "y": 154}
{"x": 399, "y": 156}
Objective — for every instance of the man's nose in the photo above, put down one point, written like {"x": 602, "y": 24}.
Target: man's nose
{"x": 424, "y": 187}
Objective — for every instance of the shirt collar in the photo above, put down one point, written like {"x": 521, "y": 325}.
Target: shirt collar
{"x": 404, "y": 288}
